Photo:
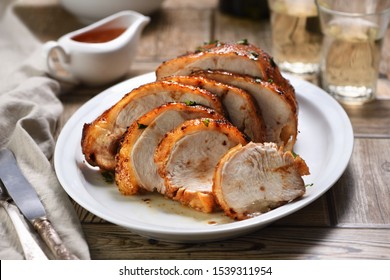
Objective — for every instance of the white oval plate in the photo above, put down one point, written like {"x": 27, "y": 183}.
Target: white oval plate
{"x": 325, "y": 141}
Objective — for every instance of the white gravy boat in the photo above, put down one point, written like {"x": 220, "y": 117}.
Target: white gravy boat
{"x": 99, "y": 53}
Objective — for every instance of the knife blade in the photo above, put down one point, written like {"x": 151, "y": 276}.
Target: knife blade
{"x": 26, "y": 199}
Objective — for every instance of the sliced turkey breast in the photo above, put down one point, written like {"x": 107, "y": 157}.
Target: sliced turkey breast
{"x": 279, "y": 108}
{"x": 253, "y": 179}
{"x": 136, "y": 170}
{"x": 241, "y": 108}
{"x": 100, "y": 139}
{"x": 240, "y": 58}
{"x": 186, "y": 158}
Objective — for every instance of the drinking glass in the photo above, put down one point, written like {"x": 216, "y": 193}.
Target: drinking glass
{"x": 296, "y": 35}
{"x": 353, "y": 36}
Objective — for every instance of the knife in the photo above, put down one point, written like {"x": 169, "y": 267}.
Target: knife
{"x": 30, "y": 247}
{"x": 28, "y": 202}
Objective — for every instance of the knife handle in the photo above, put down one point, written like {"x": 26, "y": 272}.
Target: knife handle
{"x": 52, "y": 239}
{"x": 30, "y": 247}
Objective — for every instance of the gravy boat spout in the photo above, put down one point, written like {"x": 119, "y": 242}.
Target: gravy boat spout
{"x": 97, "y": 54}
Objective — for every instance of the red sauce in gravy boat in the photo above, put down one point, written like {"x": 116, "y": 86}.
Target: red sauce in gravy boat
{"x": 99, "y": 53}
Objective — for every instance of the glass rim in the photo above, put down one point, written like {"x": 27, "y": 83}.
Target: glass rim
{"x": 352, "y": 14}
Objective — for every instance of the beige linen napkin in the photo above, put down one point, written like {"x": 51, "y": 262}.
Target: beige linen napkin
{"x": 29, "y": 111}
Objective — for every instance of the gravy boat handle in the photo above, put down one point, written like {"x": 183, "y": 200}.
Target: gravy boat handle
{"x": 57, "y": 68}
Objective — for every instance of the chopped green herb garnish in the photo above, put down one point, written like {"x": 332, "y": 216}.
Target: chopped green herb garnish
{"x": 199, "y": 49}
{"x": 309, "y": 185}
{"x": 204, "y": 48}
{"x": 294, "y": 154}
{"x": 243, "y": 42}
{"x": 108, "y": 176}
{"x": 217, "y": 43}
{"x": 190, "y": 103}
{"x": 206, "y": 122}
{"x": 270, "y": 81}
{"x": 141, "y": 126}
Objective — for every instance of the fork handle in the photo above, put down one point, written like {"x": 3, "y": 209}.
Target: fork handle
{"x": 30, "y": 247}
{"x": 52, "y": 239}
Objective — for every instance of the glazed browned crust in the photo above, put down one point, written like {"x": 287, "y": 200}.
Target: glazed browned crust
{"x": 166, "y": 149}
{"x": 100, "y": 139}
{"x": 192, "y": 126}
{"x": 283, "y": 132}
{"x": 261, "y": 63}
{"x": 126, "y": 177}
{"x": 248, "y": 63}
{"x": 285, "y": 90}
{"x": 241, "y": 108}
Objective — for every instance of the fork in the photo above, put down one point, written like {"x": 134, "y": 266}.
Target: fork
{"x": 30, "y": 247}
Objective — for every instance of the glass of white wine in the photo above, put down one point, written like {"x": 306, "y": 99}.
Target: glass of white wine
{"x": 296, "y": 35}
{"x": 351, "y": 51}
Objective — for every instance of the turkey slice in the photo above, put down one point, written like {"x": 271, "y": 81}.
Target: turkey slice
{"x": 253, "y": 179}
{"x": 278, "y": 107}
{"x": 241, "y": 58}
{"x": 241, "y": 108}
{"x": 186, "y": 158}
{"x": 100, "y": 139}
{"x": 136, "y": 170}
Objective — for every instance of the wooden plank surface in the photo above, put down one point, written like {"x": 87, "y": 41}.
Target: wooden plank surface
{"x": 371, "y": 120}
{"x": 113, "y": 242}
{"x": 361, "y": 197}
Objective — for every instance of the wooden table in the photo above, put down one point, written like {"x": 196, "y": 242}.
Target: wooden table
{"x": 350, "y": 221}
